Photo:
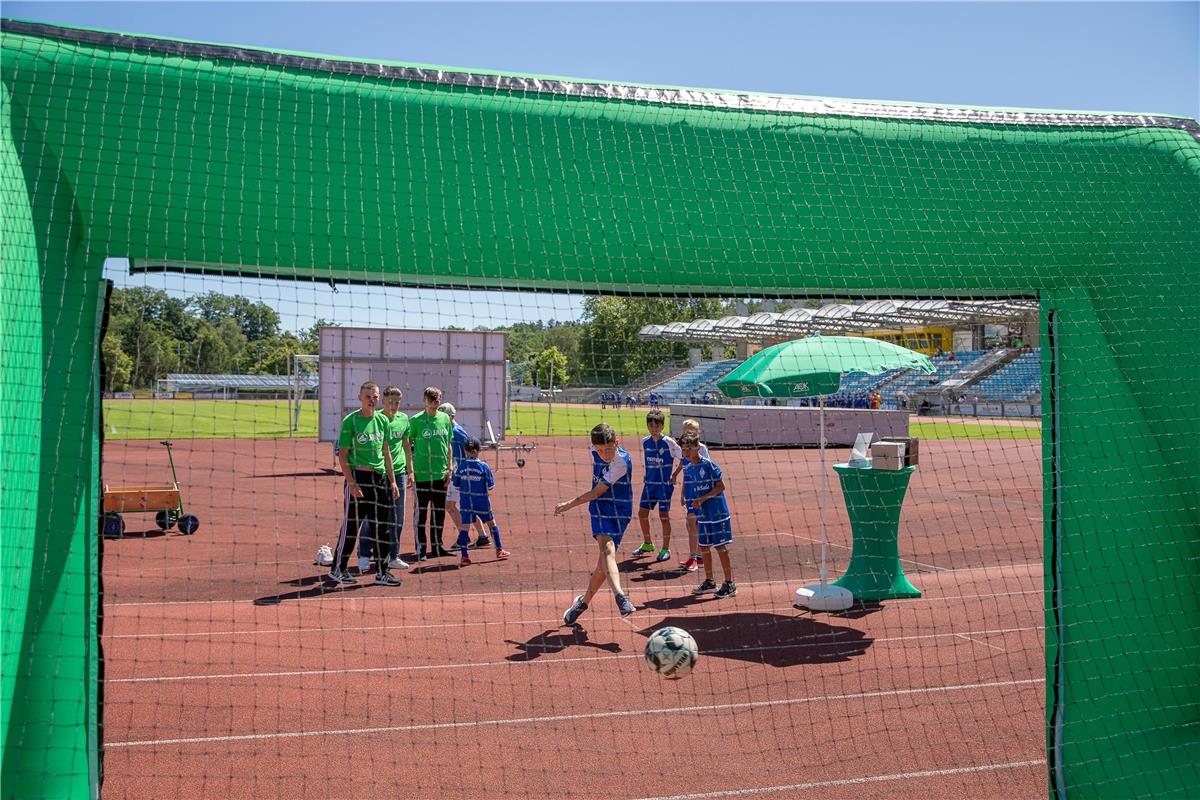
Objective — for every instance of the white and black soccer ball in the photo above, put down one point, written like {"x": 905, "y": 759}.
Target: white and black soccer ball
{"x": 671, "y": 652}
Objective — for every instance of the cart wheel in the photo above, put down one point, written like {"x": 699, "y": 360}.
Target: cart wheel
{"x": 188, "y": 524}
{"x": 165, "y": 520}
{"x": 520, "y": 461}
{"x": 114, "y": 525}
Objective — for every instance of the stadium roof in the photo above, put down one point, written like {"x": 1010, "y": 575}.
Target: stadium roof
{"x": 192, "y": 382}
{"x": 843, "y": 318}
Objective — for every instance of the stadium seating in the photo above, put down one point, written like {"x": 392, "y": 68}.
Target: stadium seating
{"x": 1018, "y": 380}
{"x": 692, "y": 384}
{"x": 909, "y": 382}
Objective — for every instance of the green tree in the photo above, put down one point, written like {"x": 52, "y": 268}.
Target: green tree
{"x": 118, "y": 366}
{"x": 271, "y": 355}
{"x": 154, "y": 354}
{"x": 611, "y": 353}
{"x": 210, "y": 354}
{"x": 258, "y": 321}
{"x": 550, "y": 368}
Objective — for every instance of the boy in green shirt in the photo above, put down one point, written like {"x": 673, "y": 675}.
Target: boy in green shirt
{"x": 370, "y": 484}
{"x": 431, "y": 466}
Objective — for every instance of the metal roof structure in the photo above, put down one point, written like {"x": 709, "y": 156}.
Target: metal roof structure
{"x": 844, "y": 318}
{"x": 192, "y": 382}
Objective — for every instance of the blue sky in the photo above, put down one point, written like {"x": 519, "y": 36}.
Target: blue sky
{"x": 1142, "y": 56}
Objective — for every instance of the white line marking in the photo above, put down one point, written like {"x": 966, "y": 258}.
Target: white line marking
{"x": 985, "y": 644}
{"x": 899, "y": 776}
{"x": 822, "y": 640}
{"x": 576, "y": 717}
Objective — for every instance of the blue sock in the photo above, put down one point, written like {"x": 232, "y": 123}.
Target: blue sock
{"x": 496, "y": 537}
{"x": 464, "y": 540}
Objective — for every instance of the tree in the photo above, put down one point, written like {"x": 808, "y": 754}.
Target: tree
{"x": 550, "y": 366}
{"x": 118, "y": 366}
{"x": 210, "y": 354}
{"x": 258, "y": 321}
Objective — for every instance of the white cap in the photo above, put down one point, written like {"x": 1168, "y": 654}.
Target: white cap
{"x": 448, "y": 408}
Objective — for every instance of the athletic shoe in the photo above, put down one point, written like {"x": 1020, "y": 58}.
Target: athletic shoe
{"x": 699, "y": 559}
{"x": 572, "y": 613}
{"x": 502, "y": 554}
{"x": 397, "y": 563}
{"x": 421, "y": 555}
{"x": 482, "y": 541}
{"x": 642, "y": 549}
{"x": 386, "y": 579}
{"x": 663, "y": 555}
{"x": 465, "y": 561}
{"x": 728, "y": 589}
{"x": 704, "y": 588}
{"x": 625, "y": 606}
{"x": 689, "y": 565}
{"x": 340, "y": 578}
{"x": 364, "y": 565}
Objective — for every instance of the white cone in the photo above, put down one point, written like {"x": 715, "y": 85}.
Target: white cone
{"x": 824, "y": 597}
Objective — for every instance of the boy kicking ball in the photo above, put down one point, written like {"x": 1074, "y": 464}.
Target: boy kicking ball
{"x": 704, "y": 494}
{"x": 610, "y": 506}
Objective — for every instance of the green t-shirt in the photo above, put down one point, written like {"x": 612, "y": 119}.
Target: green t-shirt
{"x": 397, "y": 433}
{"x": 362, "y": 438}
{"x": 430, "y": 437}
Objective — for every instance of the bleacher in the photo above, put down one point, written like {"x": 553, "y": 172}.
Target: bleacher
{"x": 911, "y": 381}
{"x": 1020, "y": 379}
{"x": 693, "y": 383}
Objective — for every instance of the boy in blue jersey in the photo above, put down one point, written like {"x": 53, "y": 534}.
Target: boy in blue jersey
{"x": 610, "y": 506}
{"x": 696, "y": 558}
{"x": 472, "y": 480}
{"x": 458, "y": 444}
{"x": 660, "y": 453}
{"x": 704, "y": 494}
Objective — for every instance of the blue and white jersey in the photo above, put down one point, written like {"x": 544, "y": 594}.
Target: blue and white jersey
{"x": 698, "y": 480}
{"x": 473, "y": 479}
{"x": 458, "y": 441}
{"x": 660, "y": 458}
{"x": 617, "y": 502}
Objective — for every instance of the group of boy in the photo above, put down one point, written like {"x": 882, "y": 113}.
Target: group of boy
{"x": 610, "y": 508}
{"x": 383, "y": 453}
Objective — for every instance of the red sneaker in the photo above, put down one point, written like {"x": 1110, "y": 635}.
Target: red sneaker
{"x": 502, "y": 554}
{"x": 689, "y": 565}
{"x": 465, "y": 561}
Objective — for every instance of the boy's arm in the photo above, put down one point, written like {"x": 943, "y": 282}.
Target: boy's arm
{"x": 566, "y": 505}
{"x": 717, "y": 488}
{"x": 408, "y": 453}
{"x": 449, "y": 460}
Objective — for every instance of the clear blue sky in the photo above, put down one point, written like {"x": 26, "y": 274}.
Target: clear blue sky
{"x": 1140, "y": 56}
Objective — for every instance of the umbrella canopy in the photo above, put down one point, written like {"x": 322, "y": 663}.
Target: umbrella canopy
{"x": 815, "y": 365}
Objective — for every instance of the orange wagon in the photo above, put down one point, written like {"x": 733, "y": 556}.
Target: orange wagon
{"x": 165, "y": 501}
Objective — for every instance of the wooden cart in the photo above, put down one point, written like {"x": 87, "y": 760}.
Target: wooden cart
{"x": 166, "y": 502}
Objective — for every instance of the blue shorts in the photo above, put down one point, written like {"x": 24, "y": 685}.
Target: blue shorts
{"x": 612, "y": 527}
{"x": 657, "y": 494}
{"x": 714, "y": 534}
{"x": 469, "y": 517}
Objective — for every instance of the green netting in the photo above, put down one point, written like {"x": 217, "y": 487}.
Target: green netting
{"x": 224, "y": 162}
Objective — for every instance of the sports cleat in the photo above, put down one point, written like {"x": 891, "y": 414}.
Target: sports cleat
{"x": 625, "y": 605}
{"x": 386, "y": 579}
{"x": 643, "y": 548}
{"x": 397, "y": 563}
{"x": 704, "y": 588}
{"x": 689, "y": 565}
{"x": 364, "y": 565}
{"x": 340, "y": 578}
{"x": 502, "y": 554}
{"x": 572, "y": 613}
{"x": 663, "y": 555}
{"x": 482, "y": 541}
{"x": 728, "y": 589}
{"x": 465, "y": 561}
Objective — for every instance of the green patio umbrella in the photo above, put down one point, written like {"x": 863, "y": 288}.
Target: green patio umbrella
{"x": 815, "y": 366}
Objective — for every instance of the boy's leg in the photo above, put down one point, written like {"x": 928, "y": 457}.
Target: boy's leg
{"x": 397, "y": 526}
{"x": 421, "y": 517}
{"x": 723, "y": 554}
{"x": 482, "y": 539}
{"x": 694, "y": 537}
{"x": 600, "y": 573}
{"x": 608, "y": 562}
{"x": 382, "y": 529}
{"x": 356, "y": 516}
{"x": 500, "y": 551}
{"x": 644, "y": 521}
{"x": 708, "y": 565}
{"x": 665, "y": 518}
{"x": 438, "y": 520}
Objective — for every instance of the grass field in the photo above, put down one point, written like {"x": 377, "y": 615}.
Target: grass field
{"x": 268, "y": 419}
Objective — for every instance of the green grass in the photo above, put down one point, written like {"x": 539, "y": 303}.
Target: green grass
{"x": 268, "y": 419}
{"x": 204, "y": 419}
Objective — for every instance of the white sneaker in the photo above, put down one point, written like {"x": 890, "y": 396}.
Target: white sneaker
{"x": 364, "y": 565}
{"x": 398, "y": 563}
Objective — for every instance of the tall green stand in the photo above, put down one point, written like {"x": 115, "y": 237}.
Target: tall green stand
{"x": 873, "y": 500}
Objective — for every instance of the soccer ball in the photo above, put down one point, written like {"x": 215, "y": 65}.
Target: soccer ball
{"x": 671, "y": 652}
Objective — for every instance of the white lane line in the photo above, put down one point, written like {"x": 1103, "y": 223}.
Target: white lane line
{"x": 821, "y": 640}
{"x": 976, "y": 641}
{"x": 899, "y": 776}
{"x": 999, "y": 568}
{"x": 638, "y": 712}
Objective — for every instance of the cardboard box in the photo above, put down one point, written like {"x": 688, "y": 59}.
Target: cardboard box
{"x": 887, "y": 455}
{"x": 911, "y": 448}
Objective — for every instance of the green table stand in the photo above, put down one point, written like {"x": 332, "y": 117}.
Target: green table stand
{"x": 873, "y": 500}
